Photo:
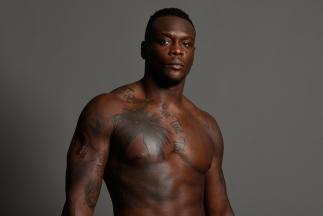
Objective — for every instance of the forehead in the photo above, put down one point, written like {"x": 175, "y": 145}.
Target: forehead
{"x": 173, "y": 25}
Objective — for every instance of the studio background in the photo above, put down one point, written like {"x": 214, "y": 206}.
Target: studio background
{"x": 258, "y": 70}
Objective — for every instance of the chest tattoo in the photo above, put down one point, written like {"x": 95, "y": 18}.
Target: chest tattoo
{"x": 136, "y": 122}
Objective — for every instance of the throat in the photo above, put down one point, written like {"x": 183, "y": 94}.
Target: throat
{"x": 162, "y": 94}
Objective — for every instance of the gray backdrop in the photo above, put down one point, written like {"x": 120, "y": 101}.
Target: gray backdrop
{"x": 258, "y": 70}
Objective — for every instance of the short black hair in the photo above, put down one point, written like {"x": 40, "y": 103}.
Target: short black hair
{"x": 165, "y": 12}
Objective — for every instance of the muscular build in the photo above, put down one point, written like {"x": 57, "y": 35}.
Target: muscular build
{"x": 156, "y": 151}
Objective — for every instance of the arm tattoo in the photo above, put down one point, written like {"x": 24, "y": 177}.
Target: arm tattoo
{"x": 85, "y": 156}
{"x": 92, "y": 191}
{"x": 96, "y": 128}
{"x": 81, "y": 137}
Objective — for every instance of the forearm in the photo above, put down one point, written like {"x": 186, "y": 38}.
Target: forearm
{"x": 228, "y": 211}
{"x": 73, "y": 209}
{"x": 82, "y": 194}
{"x": 225, "y": 211}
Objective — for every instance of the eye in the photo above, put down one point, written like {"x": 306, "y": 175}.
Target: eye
{"x": 187, "y": 44}
{"x": 163, "y": 42}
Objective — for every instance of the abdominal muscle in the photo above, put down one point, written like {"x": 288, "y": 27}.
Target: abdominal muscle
{"x": 167, "y": 187}
{"x": 164, "y": 210}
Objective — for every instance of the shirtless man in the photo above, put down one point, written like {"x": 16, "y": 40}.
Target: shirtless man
{"x": 158, "y": 154}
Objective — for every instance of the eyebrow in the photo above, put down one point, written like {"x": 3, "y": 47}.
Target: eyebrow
{"x": 185, "y": 36}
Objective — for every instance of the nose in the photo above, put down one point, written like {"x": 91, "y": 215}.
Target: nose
{"x": 175, "y": 50}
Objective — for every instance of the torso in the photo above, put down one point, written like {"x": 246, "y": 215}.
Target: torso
{"x": 159, "y": 155}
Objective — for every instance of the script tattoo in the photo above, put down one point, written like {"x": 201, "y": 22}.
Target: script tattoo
{"x": 180, "y": 141}
{"x": 127, "y": 94}
{"x": 176, "y": 125}
{"x": 134, "y": 122}
{"x": 164, "y": 111}
{"x": 179, "y": 144}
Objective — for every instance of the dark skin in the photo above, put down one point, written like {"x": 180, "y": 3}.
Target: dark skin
{"x": 156, "y": 151}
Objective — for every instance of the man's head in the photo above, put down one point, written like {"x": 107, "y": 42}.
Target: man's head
{"x": 169, "y": 47}
{"x": 165, "y": 12}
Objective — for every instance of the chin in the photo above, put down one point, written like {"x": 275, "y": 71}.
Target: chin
{"x": 175, "y": 75}
{"x": 171, "y": 78}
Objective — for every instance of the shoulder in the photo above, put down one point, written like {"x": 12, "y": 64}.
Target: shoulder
{"x": 97, "y": 114}
{"x": 128, "y": 93}
{"x": 107, "y": 104}
{"x": 102, "y": 105}
{"x": 203, "y": 116}
{"x": 215, "y": 135}
{"x": 212, "y": 123}
{"x": 100, "y": 111}
{"x": 123, "y": 92}
{"x": 207, "y": 120}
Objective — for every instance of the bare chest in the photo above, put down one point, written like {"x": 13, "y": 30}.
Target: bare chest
{"x": 152, "y": 136}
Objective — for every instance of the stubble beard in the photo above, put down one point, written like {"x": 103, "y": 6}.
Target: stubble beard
{"x": 164, "y": 80}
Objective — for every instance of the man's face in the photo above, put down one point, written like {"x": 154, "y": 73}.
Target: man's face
{"x": 169, "y": 50}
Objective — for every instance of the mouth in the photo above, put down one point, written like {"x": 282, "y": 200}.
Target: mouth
{"x": 175, "y": 65}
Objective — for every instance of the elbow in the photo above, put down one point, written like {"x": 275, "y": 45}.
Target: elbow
{"x": 227, "y": 211}
{"x": 220, "y": 211}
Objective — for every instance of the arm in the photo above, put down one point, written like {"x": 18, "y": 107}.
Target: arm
{"x": 86, "y": 159}
{"x": 216, "y": 198}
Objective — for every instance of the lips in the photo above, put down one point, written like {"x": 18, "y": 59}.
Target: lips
{"x": 176, "y": 65}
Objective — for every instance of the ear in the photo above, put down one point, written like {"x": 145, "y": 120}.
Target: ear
{"x": 144, "y": 49}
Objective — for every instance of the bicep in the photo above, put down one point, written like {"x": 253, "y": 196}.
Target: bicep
{"x": 216, "y": 198}
{"x": 86, "y": 159}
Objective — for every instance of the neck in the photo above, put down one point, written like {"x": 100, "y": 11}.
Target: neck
{"x": 162, "y": 93}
